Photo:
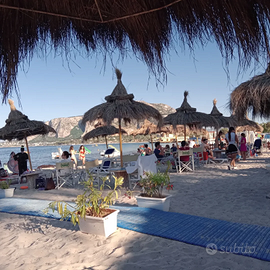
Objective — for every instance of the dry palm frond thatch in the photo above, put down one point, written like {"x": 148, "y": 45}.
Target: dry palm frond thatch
{"x": 187, "y": 116}
{"x": 103, "y": 131}
{"x": 120, "y": 105}
{"x": 19, "y": 127}
{"x": 223, "y": 121}
{"x": 252, "y": 95}
{"x": 148, "y": 28}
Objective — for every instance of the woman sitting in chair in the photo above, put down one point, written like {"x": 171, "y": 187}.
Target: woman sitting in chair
{"x": 184, "y": 146}
{"x": 206, "y": 149}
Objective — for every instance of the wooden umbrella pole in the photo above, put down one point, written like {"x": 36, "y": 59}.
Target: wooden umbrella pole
{"x": 152, "y": 142}
{"x": 28, "y": 154}
{"x": 176, "y": 141}
{"x": 120, "y": 141}
{"x": 106, "y": 142}
{"x": 185, "y": 132}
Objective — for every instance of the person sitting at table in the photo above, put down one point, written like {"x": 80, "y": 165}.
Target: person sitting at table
{"x": 147, "y": 150}
{"x": 173, "y": 148}
{"x": 167, "y": 150}
{"x": 159, "y": 152}
{"x": 206, "y": 149}
{"x": 65, "y": 155}
{"x": 184, "y": 146}
{"x": 218, "y": 141}
{"x": 192, "y": 143}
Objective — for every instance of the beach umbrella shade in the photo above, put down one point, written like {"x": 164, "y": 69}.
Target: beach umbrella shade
{"x": 149, "y": 128}
{"x": 188, "y": 116}
{"x": 19, "y": 127}
{"x": 222, "y": 121}
{"x": 148, "y": 29}
{"x": 122, "y": 106}
{"x": 252, "y": 95}
{"x": 103, "y": 131}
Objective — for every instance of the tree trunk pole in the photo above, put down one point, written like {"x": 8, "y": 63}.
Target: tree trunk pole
{"x": 30, "y": 163}
{"x": 120, "y": 141}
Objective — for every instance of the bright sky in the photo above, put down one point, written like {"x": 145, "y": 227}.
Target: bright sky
{"x": 51, "y": 88}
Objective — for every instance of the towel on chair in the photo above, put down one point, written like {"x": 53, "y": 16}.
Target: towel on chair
{"x": 147, "y": 164}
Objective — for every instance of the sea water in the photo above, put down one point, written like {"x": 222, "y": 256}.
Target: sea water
{"x": 42, "y": 155}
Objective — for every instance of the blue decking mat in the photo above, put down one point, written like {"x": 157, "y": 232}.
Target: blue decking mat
{"x": 227, "y": 237}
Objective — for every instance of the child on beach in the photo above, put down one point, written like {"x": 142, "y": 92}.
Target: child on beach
{"x": 82, "y": 154}
{"x": 243, "y": 146}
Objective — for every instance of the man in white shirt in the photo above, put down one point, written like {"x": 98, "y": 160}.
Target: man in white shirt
{"x": 191, "y": 143}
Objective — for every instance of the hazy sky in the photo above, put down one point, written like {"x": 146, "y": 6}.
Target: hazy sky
{"x": 53, "y": 88}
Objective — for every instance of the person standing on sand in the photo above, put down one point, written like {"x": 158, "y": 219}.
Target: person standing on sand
{"x": 72, "y": 153}
{"x": 22, "y": 160}
{"x": 82, "y": 154}
{"x": 243, "y": 146}
{"x": 232, "y": 150}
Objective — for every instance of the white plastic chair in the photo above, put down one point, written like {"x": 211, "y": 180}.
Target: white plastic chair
{"x": 102, "y": 170}
{"x": 198, "y": 155}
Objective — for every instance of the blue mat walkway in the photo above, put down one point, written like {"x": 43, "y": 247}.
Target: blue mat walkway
{"x": 227, "y": 237}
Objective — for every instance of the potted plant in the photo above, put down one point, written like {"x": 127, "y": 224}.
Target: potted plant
{"x": 152, "y": 187}
{"x": 5, "y": 190}
{"x": 91, "y": 209}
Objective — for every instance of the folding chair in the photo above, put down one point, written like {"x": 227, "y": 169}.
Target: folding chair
{"x": 185, "y": 165}
{"x": 198, "y": 155}
{"x": 102, "y": 170}
{"x": 64, "y": 174}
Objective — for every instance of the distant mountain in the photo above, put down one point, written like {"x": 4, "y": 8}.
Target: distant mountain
{"x": 71, "y": 128}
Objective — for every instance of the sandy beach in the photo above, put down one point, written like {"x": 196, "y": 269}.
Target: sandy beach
{"x": 212, "y": 191}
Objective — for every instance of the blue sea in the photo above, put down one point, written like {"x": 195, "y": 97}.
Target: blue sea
{"x": 42, "y": 155}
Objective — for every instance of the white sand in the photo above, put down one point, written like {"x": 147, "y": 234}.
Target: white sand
{"x": 240, "y": 196}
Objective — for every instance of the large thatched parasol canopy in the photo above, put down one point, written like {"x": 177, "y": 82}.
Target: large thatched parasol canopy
{"x": 187, "y": 116}
{"x": 121, "y": 105}
{"x": 103, "y": 131}
{"x": 147, "y": 28}
{"x": 19, "y": 127}
{"x": 252, "y": 95}
{"x": 149, "y": 128}
{"x": 223, "y": 121}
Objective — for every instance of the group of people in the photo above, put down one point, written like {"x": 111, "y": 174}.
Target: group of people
{"x": 144, "y": 150}
{"x": 72, "y": 152}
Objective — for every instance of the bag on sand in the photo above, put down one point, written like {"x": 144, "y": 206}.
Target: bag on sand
{"x": 49, "y": 184}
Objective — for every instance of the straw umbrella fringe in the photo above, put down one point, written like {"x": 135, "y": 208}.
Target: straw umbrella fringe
{"x": 252, "y": 95}
{"x": 223, "y": 121}
{"x": 187, "y": 116}
{"x": 102, "y": 132}
{"x": 149, "y": 128}
{"x": 19, "y": 127}
{"x": 121, "y": 105}
{"x": 108, "y": 26}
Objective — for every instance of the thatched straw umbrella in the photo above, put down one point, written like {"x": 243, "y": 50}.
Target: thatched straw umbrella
{"x": 187, "y": 116}
{"x": 223, "y": 121}
{"x": 102, "y": 132}
{"x": 238, "y": 27}
{"x": 19, "y": 127}
{"x": 120, "y": 105}
{"x": 252, "y": 95}
{"x": 149, "y": 128}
